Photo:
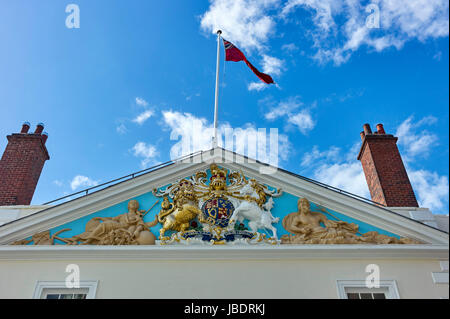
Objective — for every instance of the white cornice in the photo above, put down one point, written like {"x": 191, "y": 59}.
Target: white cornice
{"x": 352, "y": 207}
{"x": 282, "y": 252}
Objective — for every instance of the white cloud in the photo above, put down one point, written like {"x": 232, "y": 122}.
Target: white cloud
{"x": 333, "y": 168}
{"x": 303, "y": 120}
{"x": 416, "y": 143}
{"x": 323, "y": 11}
{"x": 147, "y": 151}
{"x": 272, "y": 65}
{"x": 289, "y": 108}
{"x": 194, "y": 134}
{"x": 400, "y": 21}
{"x": 430, "y": 188}
{"x": 141, "y": 102}
{"x": 246, "y": 23}
{"x": 330, "y": 154}
{"x": 339, "y": 27}
{"x": 347, "y": 176}
{"x": 82, "y": 181}
{"x": 257, "y": 86}
{"x": 144, "y": 116}
{"x": 283, "y": 108}
{"x": 289, "y": 48}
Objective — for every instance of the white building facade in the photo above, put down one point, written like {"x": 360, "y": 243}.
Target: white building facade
{"x": 212, "y": 225}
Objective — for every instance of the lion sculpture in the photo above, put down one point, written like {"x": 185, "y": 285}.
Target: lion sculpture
{"x": 178, "y": 215}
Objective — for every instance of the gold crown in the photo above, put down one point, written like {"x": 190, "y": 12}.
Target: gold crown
{"x": 217, "y": 172}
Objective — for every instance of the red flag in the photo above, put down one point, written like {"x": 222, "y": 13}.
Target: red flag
{"x": 234, "y": 54}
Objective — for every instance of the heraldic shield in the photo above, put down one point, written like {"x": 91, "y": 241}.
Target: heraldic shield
{"x": 217, "y": 211}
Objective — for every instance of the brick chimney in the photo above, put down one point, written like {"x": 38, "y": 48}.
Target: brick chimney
{"x": 384, "y": 170}
{"x": 21, "y": 165}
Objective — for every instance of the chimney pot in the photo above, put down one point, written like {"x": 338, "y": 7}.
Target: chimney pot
{"x": 25, "y": 127}
{"x": 39, "y": 128}
{"x": 380, "y": 129}
{"x": 362, "y": 135}
{"x": 367, "y": 129}
{"x": 44, "y": 137}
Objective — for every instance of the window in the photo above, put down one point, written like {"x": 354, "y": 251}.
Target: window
{"x": 365, "y": 293}
{"x": 356, "y": 289}
{"x": 58, "y": 290}
{"x": 64, "y": 293}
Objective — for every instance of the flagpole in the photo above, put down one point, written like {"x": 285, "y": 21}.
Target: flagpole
{"x": 216, "y": 101}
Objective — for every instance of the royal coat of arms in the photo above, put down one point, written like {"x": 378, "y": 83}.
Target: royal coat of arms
{"x": 212, "y": 208}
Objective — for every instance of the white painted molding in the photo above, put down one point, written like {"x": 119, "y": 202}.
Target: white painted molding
{"x": 391, "y": 285}
{"x": 440, "y": 277}
{"x": 269, "y": 252}
{"x": 41, "y": 285}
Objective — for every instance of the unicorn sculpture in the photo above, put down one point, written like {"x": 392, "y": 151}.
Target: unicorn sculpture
{"x": 258, "y": 217}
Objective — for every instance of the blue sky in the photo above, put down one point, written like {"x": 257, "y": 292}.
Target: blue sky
{"x": 112, "y": 92}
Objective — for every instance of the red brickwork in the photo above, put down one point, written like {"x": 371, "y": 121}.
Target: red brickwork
{"x": 384, "y": 170}
{"x": 21, "y": 166}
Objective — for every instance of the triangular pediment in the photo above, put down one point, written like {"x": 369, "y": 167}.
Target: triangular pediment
{"x": 73, "y": 216}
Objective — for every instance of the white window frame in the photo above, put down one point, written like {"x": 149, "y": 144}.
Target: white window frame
{"x": 91, "y": 286}
{"x": 391, "y": 286}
